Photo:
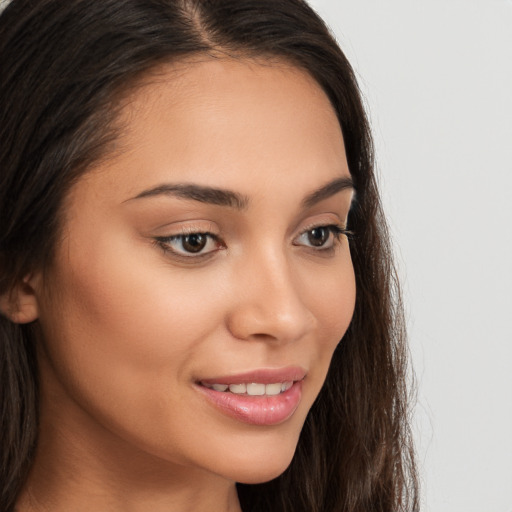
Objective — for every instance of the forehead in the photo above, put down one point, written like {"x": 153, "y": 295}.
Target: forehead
{"x": 231, "y": 121}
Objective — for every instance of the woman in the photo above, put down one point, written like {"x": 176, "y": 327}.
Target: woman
{"x": 180, "y": 180}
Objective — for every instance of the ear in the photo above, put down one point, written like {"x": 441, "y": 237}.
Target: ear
{"x": 20, "y": 303}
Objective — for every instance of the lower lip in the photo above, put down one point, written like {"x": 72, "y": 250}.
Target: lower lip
{"x": 257, "y": 410}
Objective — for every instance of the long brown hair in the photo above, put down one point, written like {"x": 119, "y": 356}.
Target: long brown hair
{"x": 64, "y": 65}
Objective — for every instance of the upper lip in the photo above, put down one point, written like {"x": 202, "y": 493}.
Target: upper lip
{"x": 260, "y": 375}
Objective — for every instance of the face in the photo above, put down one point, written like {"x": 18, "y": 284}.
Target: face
{"x": 203, "y": 279}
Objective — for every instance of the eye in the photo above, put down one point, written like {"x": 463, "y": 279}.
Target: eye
{"x": 190, "y": 245}
{"x": 321, "y": 237}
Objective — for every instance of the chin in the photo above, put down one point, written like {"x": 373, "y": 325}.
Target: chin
{"x": 259, "y": 465}
{"x": 262, "y": 475}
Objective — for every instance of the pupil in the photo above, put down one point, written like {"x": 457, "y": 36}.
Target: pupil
{"x": 194, "y": 243}
{"x": 318, "y": 236}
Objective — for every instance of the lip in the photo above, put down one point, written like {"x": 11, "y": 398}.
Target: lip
{"x": 257, "y": 410}
{"x": 262, "y": 375}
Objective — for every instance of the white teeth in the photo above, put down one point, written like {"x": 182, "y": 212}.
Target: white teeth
{"x": 273, "y": 389}
{"x": 220, "y": 387}
{"x": 285, "y": 386}
{"x": 238, "y": 388}
{"x": 255, "y": 389}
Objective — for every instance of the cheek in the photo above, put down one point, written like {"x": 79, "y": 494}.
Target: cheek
{"x": 332, "y": 298}
{"x": 123, "y": 333}
{"x": 330, "y": 293}
{"x": 130, "y": 304}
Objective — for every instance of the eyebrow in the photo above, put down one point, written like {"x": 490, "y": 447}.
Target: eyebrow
{"x": 222, "y": 197}
{"x": 203, "y": 194}
{"x": 328, "y": 190}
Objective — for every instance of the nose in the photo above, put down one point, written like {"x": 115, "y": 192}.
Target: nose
{"x": 270, "y": 302}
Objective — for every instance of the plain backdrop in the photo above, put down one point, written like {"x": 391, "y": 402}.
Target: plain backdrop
{"x": 437, "y": 78}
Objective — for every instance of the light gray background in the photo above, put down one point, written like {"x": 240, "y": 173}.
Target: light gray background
{"x": 437, "y": 76}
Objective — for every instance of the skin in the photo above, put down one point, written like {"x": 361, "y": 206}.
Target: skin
{"x": 128, "y": 328}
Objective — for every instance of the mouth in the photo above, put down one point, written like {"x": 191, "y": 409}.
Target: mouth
{"x": 261, "y": 397}
{"x": 251, "y": 388}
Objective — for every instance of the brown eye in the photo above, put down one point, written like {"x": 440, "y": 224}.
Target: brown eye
{"x": 320, "y": 237}
{"x": 191, "y": 245}
{"x": 317, "y": 237}
{"x": 195, "y": 242}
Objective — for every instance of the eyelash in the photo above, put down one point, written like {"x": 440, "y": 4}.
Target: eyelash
{"x": 335, "y": 234}
{"x": 165, "y": 242}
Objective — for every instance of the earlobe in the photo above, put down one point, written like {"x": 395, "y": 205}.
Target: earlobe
{"x": 20, "y": 304}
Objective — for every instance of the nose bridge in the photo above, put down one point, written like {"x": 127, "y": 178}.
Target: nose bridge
{"x": 270, "y": 303}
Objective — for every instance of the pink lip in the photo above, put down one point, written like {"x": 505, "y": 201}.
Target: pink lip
{"x": 257, "y": 410}
{"x": 263, "y": 375}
